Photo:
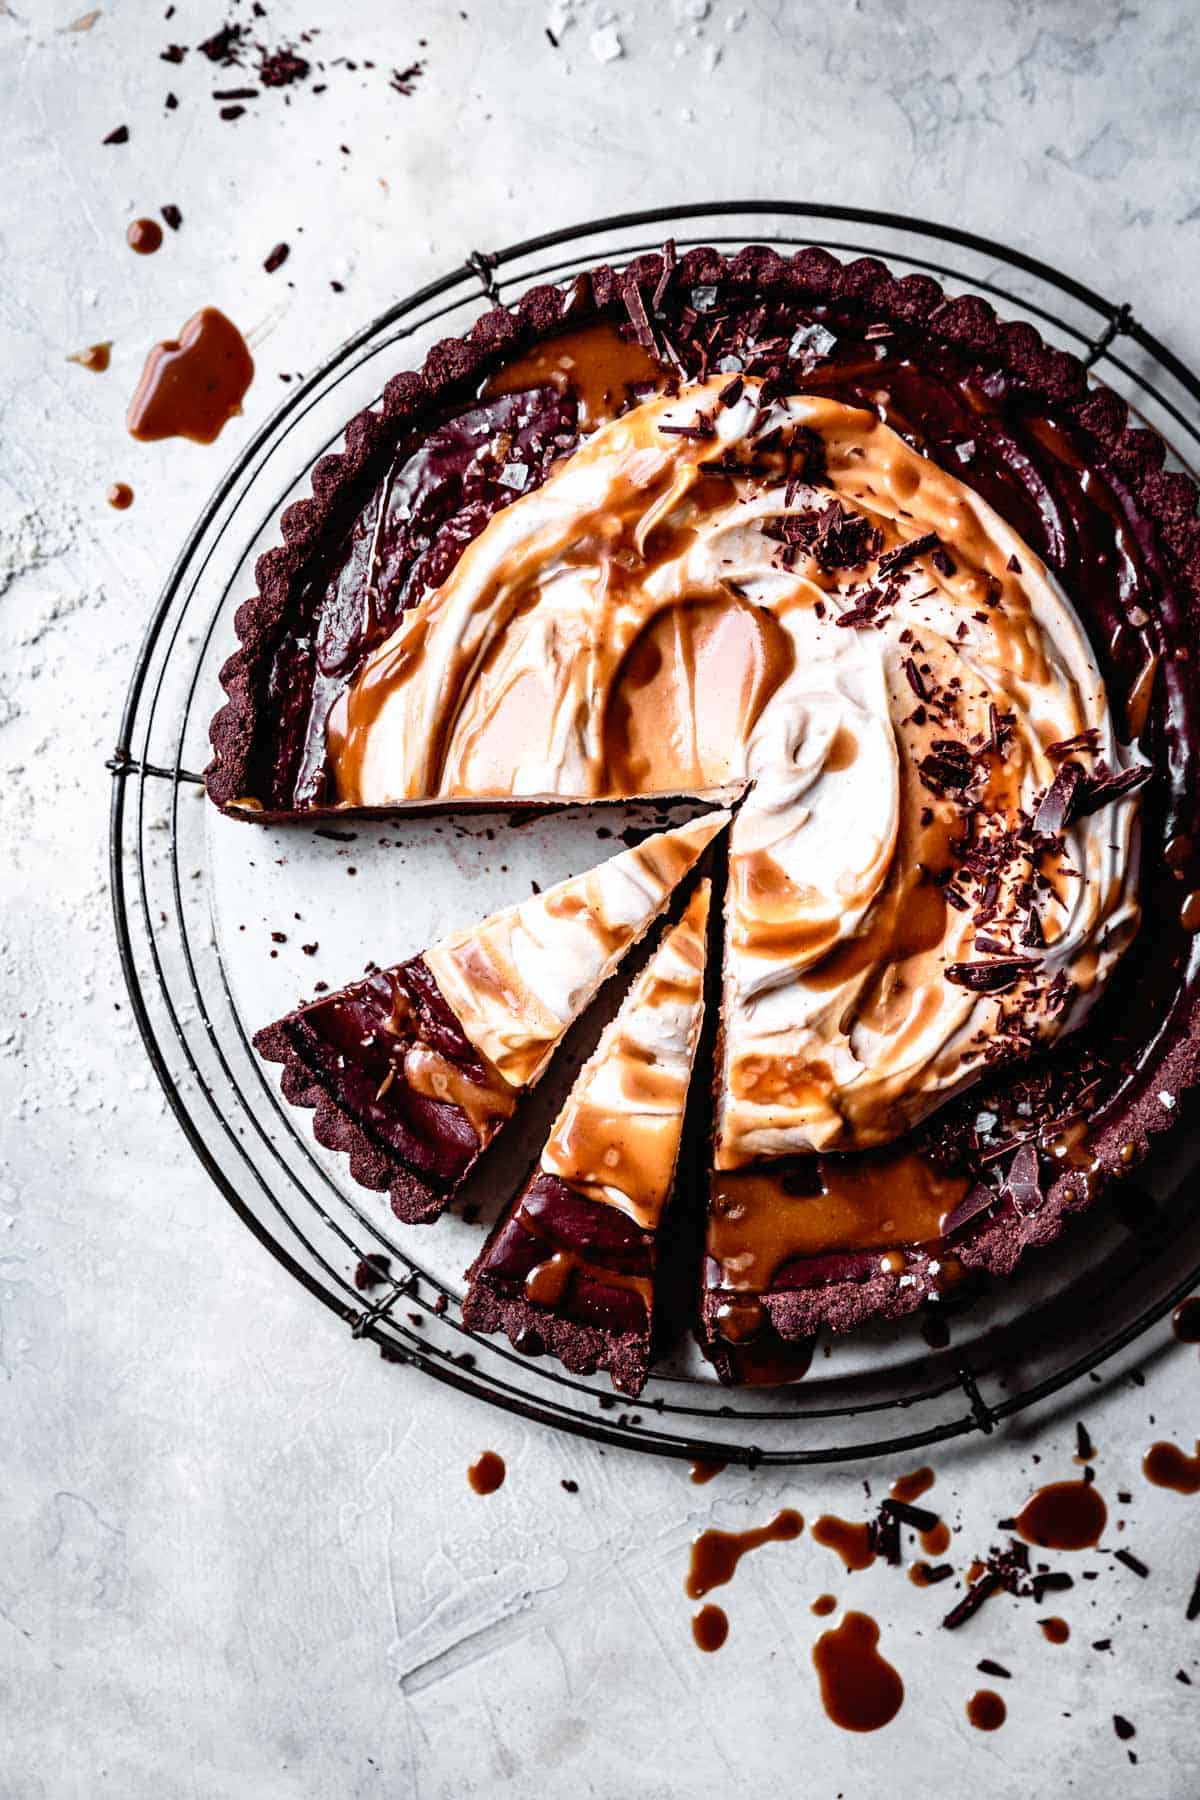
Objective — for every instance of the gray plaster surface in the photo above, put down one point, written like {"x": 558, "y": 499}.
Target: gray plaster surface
{"x": 238, "y": 1552}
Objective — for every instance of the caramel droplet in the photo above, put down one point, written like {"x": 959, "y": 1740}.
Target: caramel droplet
{"x": 1189, "y": 912}
{"x": 487, "y": 1473}
{"x": 193, "y": 385}
{"x": 120, "y": 496}
{"x": 710, "y": 1628}
{"x": 96, "y": 357}
{"x": 144, "y": 236}
{"x": 986, "y": 1710}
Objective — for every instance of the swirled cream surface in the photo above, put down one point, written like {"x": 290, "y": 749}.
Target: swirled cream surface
{"x": 518, "y": 980}
{"x": 721, "y": 591}
{"x": 617, "y": 1137}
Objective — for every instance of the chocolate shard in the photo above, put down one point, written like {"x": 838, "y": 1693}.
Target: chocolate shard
{"x": 906, "y": 553}
{"x": 1103, "y": 790}
{"x": 993, "y": 977}
{"x": 1023, "y": 1183}
{"x": 1058, "y": 801}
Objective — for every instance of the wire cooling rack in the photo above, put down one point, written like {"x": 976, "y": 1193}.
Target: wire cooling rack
{"x": 885, "y": 1390}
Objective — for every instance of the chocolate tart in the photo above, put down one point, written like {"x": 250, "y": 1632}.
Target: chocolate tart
{"x": 414, "y": 1070}
{"x": 491, "y": 417}
{"x": 571, "y": 1267}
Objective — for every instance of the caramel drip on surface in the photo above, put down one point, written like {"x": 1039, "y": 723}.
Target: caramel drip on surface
{"x": 120, "y": 496}
{"x": 1055, "y": 1631}
{"x": 860, "y": 1690}
{"x": 595, "y": 364}
{"x": 1166, "y": 1465}
{"x": 910, "y": 1487}
{"x": 487, "y": 1473}
{"x": 1066, "y": 1515}
{"x": 851, "y": 1541}
{"x": 192, "y": 385}
{"x": 716, "y": 1554}
{"x": 96, "y": 357}
{"x": 705, "y": 1471}
{"x": 862, "y": 1202}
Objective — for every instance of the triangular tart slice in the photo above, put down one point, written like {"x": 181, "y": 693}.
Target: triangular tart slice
{"x": 413, "y": 1070}
{"x": 570, "y": 1268}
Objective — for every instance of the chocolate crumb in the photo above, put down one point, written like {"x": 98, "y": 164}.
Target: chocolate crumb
{"x": 172, "y": 216}
{"x": 1193, "y": 1605}
{"x": 277, "y": 257}
{"x": 404, "y": 81}
{"x": 988, "y": 1667}
{"x": 1131, "y": 1562}
{"x": 1085, "y": 1450}
{"x": 119, "y": 136}
{"x": 569, "y": 1487}
{"x": 232, "y": 112}
{"x": 1123, "y": 1728}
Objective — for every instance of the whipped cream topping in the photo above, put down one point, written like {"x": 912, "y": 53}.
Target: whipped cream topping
{"x": 617, "y": 1137}
{"x": 519, "y": 979}
{"x": 719, "y": 588}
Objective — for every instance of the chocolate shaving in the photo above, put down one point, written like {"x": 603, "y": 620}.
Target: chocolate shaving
{"x": 404, "y": 81}
{"x": 903, "y": 554}
{"x": 701, "y": 431}
{"x": 1083, "y": 740}
{"x": 979, "y": 1591}
{"x": 1085, "y": 1450}
{"x": 913, "y": 676}
{"x": 941, "y": 559}
{"x": 987, "y": 1667}
{"x": 1193, "y": 1605}
{"x": 1102, "y": 790}
{"x": 731, "y": 393}
{"x": 935, "y": 1572}
{"x": 833, "y": 537}
{"x": 995, "y": 977}
{"x": 1058, "y": 801}
{"x": 949, "y": 766}
{"x": 664, "y": 280}
{"x": 919, "y": 1517}
{"x": 635, "y": 306}
{"x": 1051, "y": 1581}
{"x": 1131, "y": 1562}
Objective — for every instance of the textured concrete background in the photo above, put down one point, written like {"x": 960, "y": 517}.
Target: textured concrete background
{"x": 238, "y": 1554}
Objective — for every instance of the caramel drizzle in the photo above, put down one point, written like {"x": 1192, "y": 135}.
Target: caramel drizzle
{"x": 862, "y": 1202}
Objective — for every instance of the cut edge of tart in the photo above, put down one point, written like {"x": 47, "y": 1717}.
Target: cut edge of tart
{"x": 570, "y": 1267}
{"x": 414, "y": 1070}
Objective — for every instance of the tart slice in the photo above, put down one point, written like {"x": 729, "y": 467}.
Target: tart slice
{"x": 413, "y": 1070}
{"x": 570, "y": 1267}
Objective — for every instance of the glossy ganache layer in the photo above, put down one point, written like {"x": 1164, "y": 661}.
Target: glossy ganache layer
{"x": 396, "y": 1083}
